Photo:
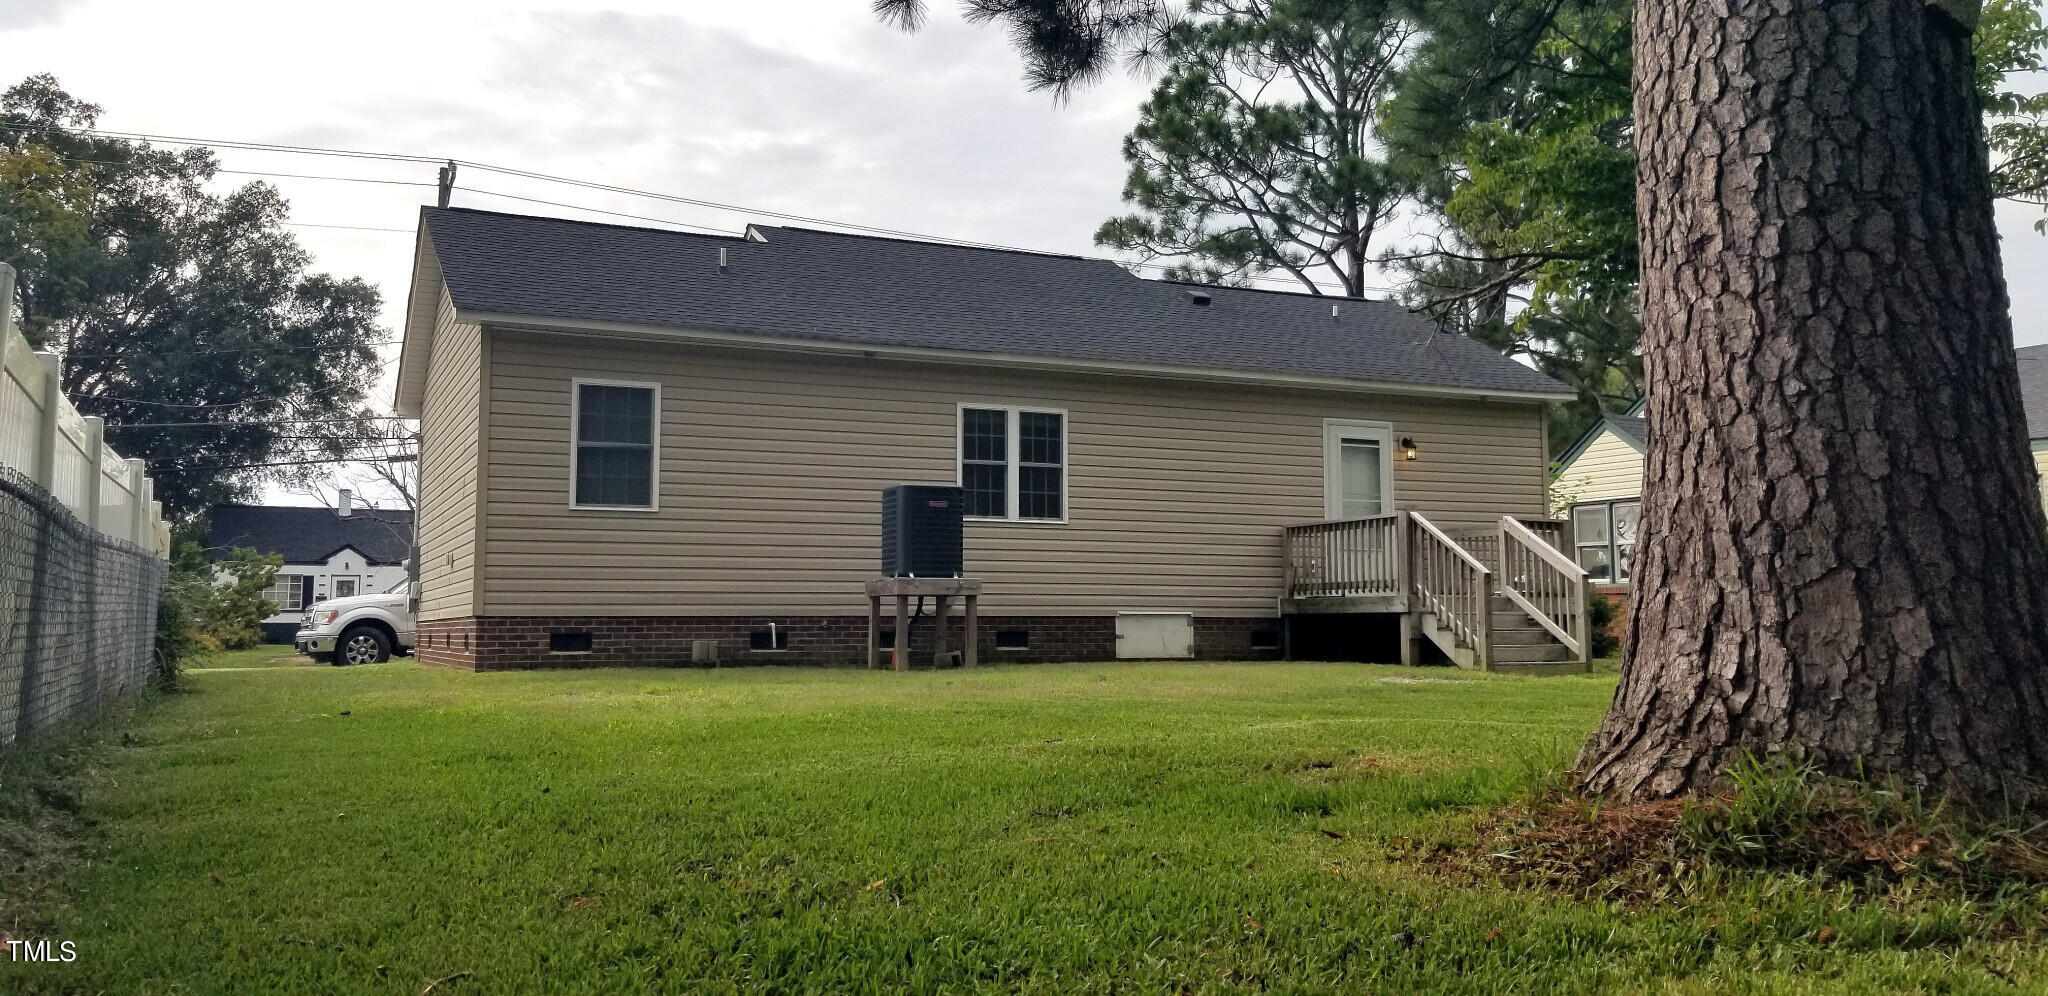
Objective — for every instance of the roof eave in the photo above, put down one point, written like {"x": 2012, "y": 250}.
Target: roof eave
{"x": 925, "y": 354}
{"x": 1564, "y": 463}
{"x": 423, "y": 299}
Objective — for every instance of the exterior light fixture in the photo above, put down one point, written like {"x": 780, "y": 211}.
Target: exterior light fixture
{"x": 1407, "y": 448}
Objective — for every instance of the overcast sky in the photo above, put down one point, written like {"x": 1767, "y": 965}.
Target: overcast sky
{"x": 805, "y": 106}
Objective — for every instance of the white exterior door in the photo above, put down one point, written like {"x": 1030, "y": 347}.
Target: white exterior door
{"x": 347, "y": 587}
{"x": 1358, "y": 469}
{"x": 1155, "y": 635}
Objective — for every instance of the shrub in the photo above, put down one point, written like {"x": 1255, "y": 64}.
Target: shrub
{"x": 178, "y": 642}
{"x": 227, "y": 600}
{"x": 1600, "y": 613}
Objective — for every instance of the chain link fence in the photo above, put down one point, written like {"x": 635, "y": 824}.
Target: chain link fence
{"x": 77, "y": 612}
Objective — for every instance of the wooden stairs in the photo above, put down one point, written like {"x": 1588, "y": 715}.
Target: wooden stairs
{"x": 1520, "y": 644}
{"x": 1507, "y": 600}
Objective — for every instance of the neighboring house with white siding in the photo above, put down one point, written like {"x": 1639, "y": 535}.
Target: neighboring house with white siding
{"x": 327, "y": 552}
{"x": 633, "y": 440}
{"x": 1598, "y": 488}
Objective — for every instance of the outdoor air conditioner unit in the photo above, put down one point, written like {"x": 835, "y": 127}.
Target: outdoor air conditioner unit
{"x": 921, "y": 530}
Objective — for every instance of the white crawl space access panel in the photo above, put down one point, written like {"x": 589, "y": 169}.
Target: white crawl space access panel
{"x": 1155, "y": 635}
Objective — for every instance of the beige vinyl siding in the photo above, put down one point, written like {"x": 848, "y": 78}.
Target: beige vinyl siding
{"x": 2040, "y": 448}
{"x": 1606, "y": 469}
{"x": 450, "y": 433}
{"x": 772, "y": 466}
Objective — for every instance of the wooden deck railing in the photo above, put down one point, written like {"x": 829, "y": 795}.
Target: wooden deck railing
{"x": 1546, "y": 583}
{"x": 1485, "y": 544}
{"x": 1454, "y": 585}
{"x": 1346, "y": 558}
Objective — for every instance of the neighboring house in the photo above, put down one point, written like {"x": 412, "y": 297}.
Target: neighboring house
{"x": 634, "y": 440}
{"x": 1599, "y": 484}
{"x": 327, "y": 552}
{"x": 1600, "y": 479}
{"x": 2033, "y": 368}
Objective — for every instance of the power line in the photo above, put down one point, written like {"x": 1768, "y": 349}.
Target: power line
{"x": 281, "y": 463}
{"x": 616, "y": 214}
{"x": 261, "y": 421}
{"x": 233, "y": 144}
{"x": 250, "y": 349}
{"x": 636, "y": 192}
{"x": 350, "y": 228}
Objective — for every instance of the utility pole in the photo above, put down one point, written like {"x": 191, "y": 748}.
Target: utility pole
{"x": 447, "y": 182}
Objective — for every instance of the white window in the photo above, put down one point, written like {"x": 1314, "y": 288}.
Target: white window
{"x": 347, "y": 587}
{"x": 1013, "y": 463}
{"x": 615, "y": 427}
{"x": 1604, "y": 537}
{"x": 287, "y": 592}
{"x": 1358, "y": 469}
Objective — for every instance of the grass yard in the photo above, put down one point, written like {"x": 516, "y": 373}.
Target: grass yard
{"x": 1051, "y": 828}
{"x": 266, "y": 655}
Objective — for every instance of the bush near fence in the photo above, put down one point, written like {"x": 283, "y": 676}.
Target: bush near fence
{"x": 82, "y": 549}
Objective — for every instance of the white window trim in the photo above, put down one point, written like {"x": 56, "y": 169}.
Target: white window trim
{"x": 339, "y": 578}
{"x": 1013, "y": 473}
{"x": 296, "y": 586}
{"x": 575, "y": 434}
{"x": 1613, "y": 544}
{"x": 1334, "y": 431}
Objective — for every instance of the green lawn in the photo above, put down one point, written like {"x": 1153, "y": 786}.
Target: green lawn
{"x": 1055, "y": 828}
{"x": 267, "y": 655}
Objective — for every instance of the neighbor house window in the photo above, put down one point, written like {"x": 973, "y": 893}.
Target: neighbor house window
{"x": 1013, "y": 463}
{"x": 1604, "y": 534}
{"x": 617, "y": 432}
{"x": 287, "y": 592}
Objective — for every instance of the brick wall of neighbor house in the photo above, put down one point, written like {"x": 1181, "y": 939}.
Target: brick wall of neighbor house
{"x": 492, "y": 643}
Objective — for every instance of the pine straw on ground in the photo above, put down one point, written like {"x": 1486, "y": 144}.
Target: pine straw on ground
{"x": 1875, "y": 845}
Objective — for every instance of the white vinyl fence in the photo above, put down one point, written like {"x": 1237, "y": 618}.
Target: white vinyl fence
{"x": 82, "y": 550}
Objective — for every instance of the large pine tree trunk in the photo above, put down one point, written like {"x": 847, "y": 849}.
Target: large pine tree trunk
{"x": 1844, "y": 552}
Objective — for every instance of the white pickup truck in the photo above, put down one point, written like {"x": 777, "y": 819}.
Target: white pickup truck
{"x": 359, "y": 629}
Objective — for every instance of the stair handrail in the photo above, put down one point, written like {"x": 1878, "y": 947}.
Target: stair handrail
{"x": 1556, "y": 598}
{"x": 1454, "y": 585}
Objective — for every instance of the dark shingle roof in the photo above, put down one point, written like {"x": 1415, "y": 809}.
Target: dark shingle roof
{"x": 864, "y": 290}
{"x": 311, "y": 535}
{"x": 2033, "y": 363}
{"x": 1634, "y": 427}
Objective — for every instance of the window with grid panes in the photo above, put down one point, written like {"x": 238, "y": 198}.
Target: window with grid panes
{"x": 1013, "y": 463}
{"x": 615, "y": 445}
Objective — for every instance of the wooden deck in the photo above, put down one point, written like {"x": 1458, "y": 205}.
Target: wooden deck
{"x": 1507, "y": 598}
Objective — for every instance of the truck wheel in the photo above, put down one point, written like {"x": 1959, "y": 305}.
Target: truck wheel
{"x": 362, "y": 645}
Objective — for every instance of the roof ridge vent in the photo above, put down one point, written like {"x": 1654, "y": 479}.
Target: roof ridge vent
{"x": 1199, "y": 299}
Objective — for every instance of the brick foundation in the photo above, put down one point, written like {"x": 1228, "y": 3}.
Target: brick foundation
{"x": 490, "y": 643}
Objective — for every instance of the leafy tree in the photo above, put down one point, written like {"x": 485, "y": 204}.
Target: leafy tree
{"x": 1519, "y": 115}
{"x": 2011, "y": 39}
{"x": 1256, "y": 151}
{"x": 225, "y": 599}
{"x": 172, "y": 304}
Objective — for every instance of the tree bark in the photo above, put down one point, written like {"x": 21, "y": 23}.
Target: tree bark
{"x": 1844, "y": 553}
